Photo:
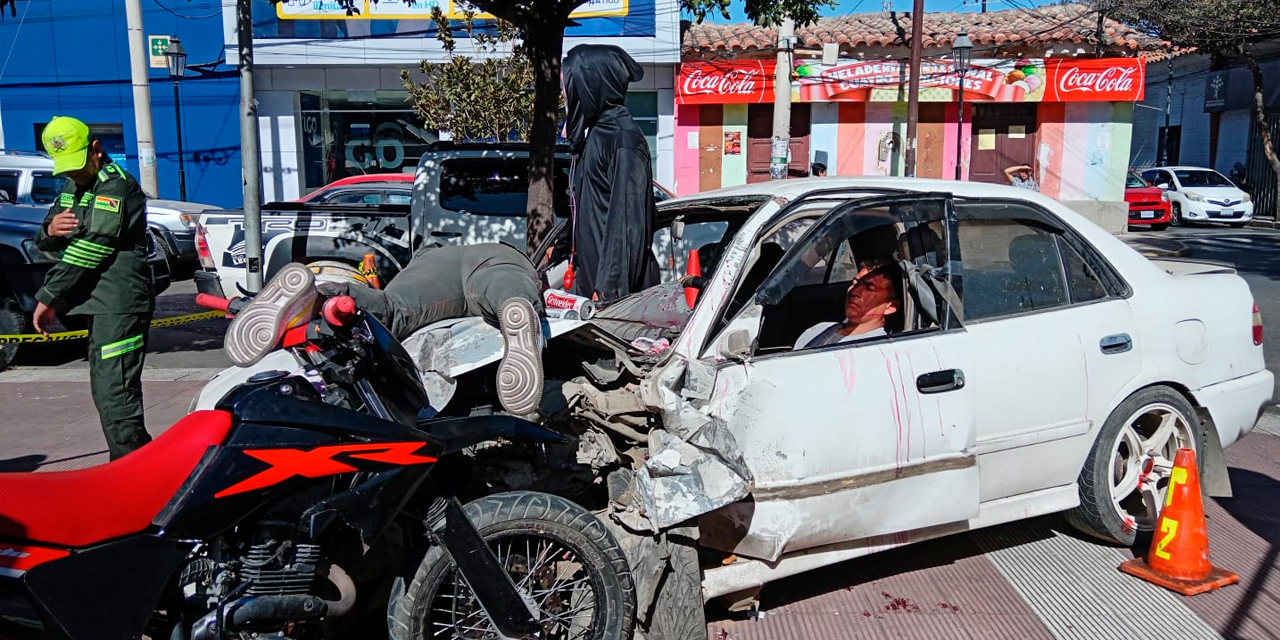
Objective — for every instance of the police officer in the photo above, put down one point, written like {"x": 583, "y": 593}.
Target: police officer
{"x": 99, "y": 224}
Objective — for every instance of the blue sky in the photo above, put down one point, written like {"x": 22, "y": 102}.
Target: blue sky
{"x": 849, "y": 6}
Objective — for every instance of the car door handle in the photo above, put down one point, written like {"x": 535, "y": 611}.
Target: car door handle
{"x": 1118, "y": 343}
{"x": 445, "y": 234}
{"x": 940, "y": 381}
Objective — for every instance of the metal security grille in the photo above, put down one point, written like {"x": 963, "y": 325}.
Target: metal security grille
{"x": 1260, "y": 178}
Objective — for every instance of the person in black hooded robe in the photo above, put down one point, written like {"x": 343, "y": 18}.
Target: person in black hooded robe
{"x": 612, "y": 207}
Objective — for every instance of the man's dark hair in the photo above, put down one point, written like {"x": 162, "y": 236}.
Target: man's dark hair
{"x": 891, "y": 270}
{"x": 817, "y": 168}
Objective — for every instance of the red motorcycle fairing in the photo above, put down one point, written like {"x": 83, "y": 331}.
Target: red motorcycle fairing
{"x": 321, "y": 461}
{"x": 87, "y": 506}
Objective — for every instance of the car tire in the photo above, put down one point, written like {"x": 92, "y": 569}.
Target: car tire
{"x": 1159, "y": 227}
{"x": 12, "y": 321}
{"x": 1175, "y": 215}
{"x": 679, "y": 612}
{"x": 1137, "y": 423}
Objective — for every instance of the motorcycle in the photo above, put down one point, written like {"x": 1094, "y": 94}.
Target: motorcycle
{"x": 299, "y": 504}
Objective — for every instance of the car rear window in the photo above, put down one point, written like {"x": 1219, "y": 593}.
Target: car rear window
{"x": 491, "y": 186}
{"x": 45, "y": 187}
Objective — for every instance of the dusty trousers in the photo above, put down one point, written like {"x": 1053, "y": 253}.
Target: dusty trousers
{"x": 441, "y": 283}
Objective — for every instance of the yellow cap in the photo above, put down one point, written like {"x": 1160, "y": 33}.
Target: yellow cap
{"x": 67, "y": 141}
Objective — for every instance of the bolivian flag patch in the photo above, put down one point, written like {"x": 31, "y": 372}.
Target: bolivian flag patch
{"x": 106, "y": 204}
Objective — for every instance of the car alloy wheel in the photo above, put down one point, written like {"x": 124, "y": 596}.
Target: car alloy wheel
{"x": 1142, "y": 460}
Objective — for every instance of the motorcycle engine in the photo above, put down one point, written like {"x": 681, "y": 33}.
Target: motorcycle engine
{"x": 279, "y": 568}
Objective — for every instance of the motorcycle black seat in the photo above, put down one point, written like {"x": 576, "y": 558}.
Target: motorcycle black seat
{"x": 85, "y": 506}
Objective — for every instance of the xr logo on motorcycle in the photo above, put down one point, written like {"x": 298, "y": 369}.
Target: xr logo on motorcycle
{"x": 319, "y": 462}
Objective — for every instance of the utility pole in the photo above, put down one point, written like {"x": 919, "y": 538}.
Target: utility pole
{"x": 913, "y": 91}
{"x": 781, "y": 143}
{"x": 250, "y": 158}
{"x": 138, "y": 61}
{"x": 1168, "y": 105}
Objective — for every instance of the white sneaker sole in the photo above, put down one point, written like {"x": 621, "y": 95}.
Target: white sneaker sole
{"x": 257, "y": 329}
{"x": 520, "y": 372}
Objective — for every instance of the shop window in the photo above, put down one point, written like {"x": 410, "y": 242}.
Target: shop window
{"x": 345, "y": 135}
{"x": 109, "y": 135}
{"x": 643, "y": 106}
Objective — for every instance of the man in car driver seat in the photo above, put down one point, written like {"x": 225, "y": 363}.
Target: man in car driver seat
{"x": 873, "y": 298}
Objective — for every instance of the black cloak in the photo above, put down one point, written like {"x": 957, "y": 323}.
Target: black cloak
{"x": 613, "y": 207}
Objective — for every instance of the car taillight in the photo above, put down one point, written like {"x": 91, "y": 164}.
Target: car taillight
{"x": 1257, "y": 325}
{"x": 202, "y": 249}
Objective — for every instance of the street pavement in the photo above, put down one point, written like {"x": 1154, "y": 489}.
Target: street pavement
{"x": 1032, "y": 579}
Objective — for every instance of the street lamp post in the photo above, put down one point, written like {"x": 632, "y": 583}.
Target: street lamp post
{"x": 177, "y": 59}
{"x": 961, "y": 52}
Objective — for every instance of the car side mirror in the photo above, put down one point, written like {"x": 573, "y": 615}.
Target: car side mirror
{"x": 736, "y": 345}
{"x": 1163, "y": 186}
{"x": 677, "y": 229}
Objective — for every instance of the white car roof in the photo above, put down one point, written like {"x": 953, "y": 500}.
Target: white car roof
{"x": 1183, "y": 168}
{"x": 24, "y": 160}
{"x": 794, "y": 188}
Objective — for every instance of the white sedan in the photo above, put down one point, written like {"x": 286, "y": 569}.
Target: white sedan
{"x": 1202, "y": 195}
{"x": 1038, "y": 364}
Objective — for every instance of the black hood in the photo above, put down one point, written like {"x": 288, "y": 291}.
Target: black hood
{"x": 596, "y": 77}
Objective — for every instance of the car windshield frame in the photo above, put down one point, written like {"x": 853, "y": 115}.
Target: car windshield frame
{"x": 1135, "y": 178}
{"x": 1204, "y": 178}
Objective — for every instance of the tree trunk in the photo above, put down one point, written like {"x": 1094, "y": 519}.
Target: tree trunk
{"x": 545, "y": 44}
{"x": 1260, "y": 119}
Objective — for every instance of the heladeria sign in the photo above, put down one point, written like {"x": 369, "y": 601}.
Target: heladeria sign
{"x": 995, "y": 80}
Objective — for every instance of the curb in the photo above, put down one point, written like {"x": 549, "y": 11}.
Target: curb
{"x": 1264, "y": 224}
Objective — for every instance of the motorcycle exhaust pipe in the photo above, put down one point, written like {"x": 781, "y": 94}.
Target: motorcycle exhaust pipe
{"x": 258, "y": 611}
{"x": 346, "y": 592}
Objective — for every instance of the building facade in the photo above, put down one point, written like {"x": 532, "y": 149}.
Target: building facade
{"x": 331, "y": 102}
{"x": 1047, "y": 100}
{"x": 72, "y": 59}
{"x": 1207, "y": 107}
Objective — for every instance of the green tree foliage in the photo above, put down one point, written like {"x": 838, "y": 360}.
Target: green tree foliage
{"x": 489, "y": 98}
{"x": 1223, "y": 29}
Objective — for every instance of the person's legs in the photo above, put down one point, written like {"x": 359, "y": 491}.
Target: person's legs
{"x": 286, "y": 301}
{"x": 117, "y": 346}
{"x": 507, "y": 295}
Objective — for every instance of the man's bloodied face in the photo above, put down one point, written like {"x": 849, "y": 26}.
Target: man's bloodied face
{"x": 870, "y": 297}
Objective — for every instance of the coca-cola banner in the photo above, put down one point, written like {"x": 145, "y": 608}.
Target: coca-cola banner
{"x": 725, "y": 82}
{"x": 1100, "y": 79}
{"x": 994, "y": 80}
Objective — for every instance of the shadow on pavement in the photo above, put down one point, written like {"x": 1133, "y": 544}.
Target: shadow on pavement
{"x": 921, "y": 556}
{"x": 1250, "y": 252}
{"x": 1255, "y": 504}
{"x": 22, "y": 463}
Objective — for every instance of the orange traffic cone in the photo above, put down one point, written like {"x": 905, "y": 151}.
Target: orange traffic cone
{"x": 1179, "y": 555}
{"x": 693, "y": 268}
{"x": 369, "y": 269}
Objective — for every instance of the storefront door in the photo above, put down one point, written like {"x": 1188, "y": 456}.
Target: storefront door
{"x": 759, "y": 140}
{"x": 1004, "y": 135}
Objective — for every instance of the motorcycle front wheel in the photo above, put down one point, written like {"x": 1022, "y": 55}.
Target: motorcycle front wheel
{"x": 563, "y": 560}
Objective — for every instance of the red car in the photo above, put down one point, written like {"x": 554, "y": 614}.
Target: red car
{"x": 372, "y": 188}
{"x": 1148, "y": 204}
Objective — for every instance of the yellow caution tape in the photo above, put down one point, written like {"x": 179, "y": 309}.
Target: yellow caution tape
{"x": 76, "y": 335}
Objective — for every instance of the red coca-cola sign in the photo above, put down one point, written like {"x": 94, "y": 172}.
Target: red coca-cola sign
{"x": 1099, "y": 80}
{"x": 725, "y": 83}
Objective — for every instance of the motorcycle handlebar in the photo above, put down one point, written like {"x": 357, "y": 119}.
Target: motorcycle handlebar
{"x": 212, "y": 302}
{"x": 339, "y": 311}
